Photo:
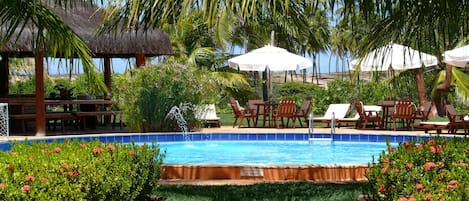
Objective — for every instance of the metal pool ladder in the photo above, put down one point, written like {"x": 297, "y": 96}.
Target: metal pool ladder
{"x": 311, "y": 138}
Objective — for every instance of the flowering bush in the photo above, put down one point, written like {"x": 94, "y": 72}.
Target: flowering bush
{"x": 432, "y": 169}
{"x": 73, "y": 170}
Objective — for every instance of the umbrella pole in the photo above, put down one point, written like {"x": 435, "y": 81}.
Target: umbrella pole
{"x": 265, "y": 93}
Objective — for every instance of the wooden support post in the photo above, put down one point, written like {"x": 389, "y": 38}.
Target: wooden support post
{"x": 107, "y": 74}
{"x": 108, "y": 82}
{"x": 40, "y": 107}
{"x": 4, "y": 71}
{"x": 140, "y": 60}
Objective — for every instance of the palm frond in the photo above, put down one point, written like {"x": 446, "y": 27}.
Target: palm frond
{"x": 461, "y": 83}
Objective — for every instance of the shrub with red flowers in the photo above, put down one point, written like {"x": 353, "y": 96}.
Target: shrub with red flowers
{"x": 431, "y": 169}
{"x": 73, "y": 170}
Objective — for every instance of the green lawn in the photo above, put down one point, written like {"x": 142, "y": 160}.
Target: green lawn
{"x": 264, "y": 191}
{"x": 227, "y": 119}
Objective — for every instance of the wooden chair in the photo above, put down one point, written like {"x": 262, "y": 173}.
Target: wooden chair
{"x": 423, "y": 112}
{"x": 286, "y": 109}
{"x": 259, "y": 110}
{"x": 456, "y": 121}
{"x": 388, "y": 109}
{"x": 303, "y": 112}
{"x": 248, "y": 114}
{"x": 367, "y": 116}
{"x": 405, "y": 111}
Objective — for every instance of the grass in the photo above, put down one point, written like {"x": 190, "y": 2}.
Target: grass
{"x": 264, "y": 191}
{"x": 227, "y": 119}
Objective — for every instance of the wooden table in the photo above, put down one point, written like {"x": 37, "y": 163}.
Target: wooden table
{"x": 72, "y": 109}
{"x": 268, "y": 107}
{"x": 386, "y": 105}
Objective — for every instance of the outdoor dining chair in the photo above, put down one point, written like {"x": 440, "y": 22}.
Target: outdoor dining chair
{"x": 286, "y": 109}
{"x": 404, "y": 110}
{"x": 367, "y": 116}
{"x": 248, "y": 114}
{"x": 303, "y": 112}
{"x": 456, "y": 121}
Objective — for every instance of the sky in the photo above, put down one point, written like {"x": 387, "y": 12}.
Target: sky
{"x": 327, "y": 62}
{"x": 56, "y": 66}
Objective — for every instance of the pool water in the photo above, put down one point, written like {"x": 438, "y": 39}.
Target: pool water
{"x": 271, "y": 152}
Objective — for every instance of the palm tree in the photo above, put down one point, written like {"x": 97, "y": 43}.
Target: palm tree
{"x": 51, "y": 36}
{"x": 431, "y": 27}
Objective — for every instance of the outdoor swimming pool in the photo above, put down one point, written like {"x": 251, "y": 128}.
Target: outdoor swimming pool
{"x": 317, "y": 163}
{"x": 272, "y": 152}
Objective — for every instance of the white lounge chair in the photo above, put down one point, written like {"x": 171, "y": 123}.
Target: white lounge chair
{"x": 208, "y": 113}
{"x": 339, "y": 111}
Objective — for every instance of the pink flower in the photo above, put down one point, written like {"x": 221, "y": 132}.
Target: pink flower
{"x": 132, "y": 152}
{"x": 381, "y": 188}
{"x": 3, "y": 185}
{"x": 25, "y": 188}
{"x": 384, "y": 170}
{"x": 405, "y": 144}
{"x": 431, "y": 142}
{"x": 419, "y": 186}
{"x": 29, "y": 178}
{"x": 435, "y": 149}
{"x": 57, "y": 150}
{"x": 111, "y": 147}
{"x": 82, "y": 145}
{"x": 386, "y": 160}
{"x": 428, "y": 197}
{"x": 452, "y": 184}
{"x": 97, "y": 150}
{"x": 403, "y": 199}
{"x": 408, "y": 165}
{"x": 429, "y": 165}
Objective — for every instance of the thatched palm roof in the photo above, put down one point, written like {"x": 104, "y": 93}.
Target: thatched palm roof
{"x": 84, "y": 21}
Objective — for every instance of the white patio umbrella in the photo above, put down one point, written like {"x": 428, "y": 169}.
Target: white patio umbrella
{"x": 395, "y": 56}
{"x": 457, "y": 57}
{"x": 270, "y": 57}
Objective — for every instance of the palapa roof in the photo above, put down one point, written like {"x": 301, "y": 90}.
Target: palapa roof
{"x": 84, "y": 20}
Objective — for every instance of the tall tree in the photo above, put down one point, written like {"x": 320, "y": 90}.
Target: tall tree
{"x": 431, "y": 27}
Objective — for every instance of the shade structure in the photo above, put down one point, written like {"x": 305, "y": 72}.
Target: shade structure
{"x": 85, "y": 19}
{"x": 394, "y": 56}
{"x": 457, "y": 57}
{"x": 271, "y": 58}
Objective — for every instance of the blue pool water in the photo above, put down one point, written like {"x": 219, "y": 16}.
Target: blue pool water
{"x": 271, "y": 152}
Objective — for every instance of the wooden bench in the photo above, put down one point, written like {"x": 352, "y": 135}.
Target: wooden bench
{"x": 112, "y": 113}
{"x": 62, "y": 116}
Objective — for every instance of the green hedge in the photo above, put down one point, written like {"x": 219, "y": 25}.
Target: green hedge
{"x": 73, "y": 170}
{"x": 434, "y": 169}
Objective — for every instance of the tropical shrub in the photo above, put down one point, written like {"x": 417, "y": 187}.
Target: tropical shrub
{"x": 373, "y": 92}
{"x": 299, "y": 91}
{"x": 432, "y": 169}
{"x": 73, "y": 170}
{"x": 147, "y": 96}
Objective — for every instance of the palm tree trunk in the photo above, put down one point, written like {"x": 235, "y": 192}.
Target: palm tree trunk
{"x": 420, "y": 86}
{"x": 442, "y": 91}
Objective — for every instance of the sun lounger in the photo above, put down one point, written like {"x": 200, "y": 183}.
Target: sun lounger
{"x": 338, "y": 110}
{"x": 208, "y": 114}
{"x": 428, "y": 125}
{"x": 349, "y": 120}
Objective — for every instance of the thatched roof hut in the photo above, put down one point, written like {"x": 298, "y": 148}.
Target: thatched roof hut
{"x": 84, "y": 20}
